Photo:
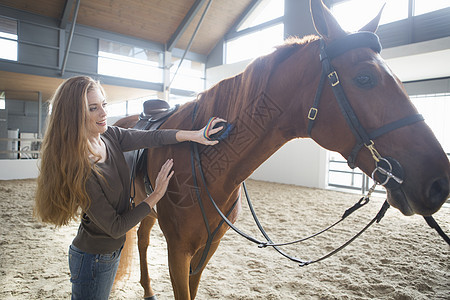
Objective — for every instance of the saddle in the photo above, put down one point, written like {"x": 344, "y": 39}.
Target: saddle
{"x": 155, "y": 113}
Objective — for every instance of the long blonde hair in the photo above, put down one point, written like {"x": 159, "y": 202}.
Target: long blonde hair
{"x": 65, "y": 165}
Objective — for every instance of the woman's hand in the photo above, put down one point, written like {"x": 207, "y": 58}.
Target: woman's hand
{"x": 161, "y": 183}
{"x": 198, "y": 135}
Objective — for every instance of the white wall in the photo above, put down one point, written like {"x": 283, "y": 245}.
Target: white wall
{"x": 420, "y": 61}
{"x": 18, "y": 169}
{"x": 299, "y": 162}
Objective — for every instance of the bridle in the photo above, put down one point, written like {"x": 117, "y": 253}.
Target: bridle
{"x": 388, "y": 171}
{"x": 333, "y": 50}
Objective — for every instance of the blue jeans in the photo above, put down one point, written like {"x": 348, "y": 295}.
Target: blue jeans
{"x": 92, "y": 275}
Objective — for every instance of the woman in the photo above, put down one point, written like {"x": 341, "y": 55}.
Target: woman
{"x": 83, "y": 169}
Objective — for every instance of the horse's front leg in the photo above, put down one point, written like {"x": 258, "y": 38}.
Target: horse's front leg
{"x": 194, "y": 280}
{"x": 143, "y": 234}
{"x": 179, "y": 262}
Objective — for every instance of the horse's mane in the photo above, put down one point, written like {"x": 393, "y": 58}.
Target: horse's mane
{"x": 225, "y": 99}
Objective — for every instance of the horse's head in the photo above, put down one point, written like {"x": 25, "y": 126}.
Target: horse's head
{"x": 372, "y": 118}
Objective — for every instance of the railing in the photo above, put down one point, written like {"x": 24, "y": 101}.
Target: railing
{"x": 338, "y": 168}
{"x": 20, "y": 148}
{"x": 343, "y": 177}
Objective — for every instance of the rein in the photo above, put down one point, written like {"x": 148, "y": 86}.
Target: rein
{"x": 195, "y": 156}
{"x": 387, "y": 169}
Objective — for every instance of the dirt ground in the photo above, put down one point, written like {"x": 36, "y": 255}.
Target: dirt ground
{"x": 399, "y": 258}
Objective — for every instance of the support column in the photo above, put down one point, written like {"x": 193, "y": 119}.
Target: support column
{"x": 39, "y": 115}
{"x": 167, "y": 64}
{"x": 69, "y": 42}
{"x": 297, "y": 19}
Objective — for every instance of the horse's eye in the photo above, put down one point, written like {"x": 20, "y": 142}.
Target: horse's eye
{"x": 364, "y": 81}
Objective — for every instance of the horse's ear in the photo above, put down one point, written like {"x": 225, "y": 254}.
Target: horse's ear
{"x": 324, "y": 22}
{"x": 372, "y": 26}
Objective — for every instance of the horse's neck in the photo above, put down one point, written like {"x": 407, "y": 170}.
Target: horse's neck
{"x": 254, "y": 138}
{"x": 264, "y": 118}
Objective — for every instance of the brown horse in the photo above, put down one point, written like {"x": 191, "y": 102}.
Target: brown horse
{"x": 272, "y": 102}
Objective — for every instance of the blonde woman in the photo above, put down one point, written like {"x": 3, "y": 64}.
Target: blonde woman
{"x": 83, "y": 169}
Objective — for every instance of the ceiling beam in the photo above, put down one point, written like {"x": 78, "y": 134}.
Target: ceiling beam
{"x": 66, "y": 13}
{"x": 69, "y": 42}
{"x": 190, "y": 41}
{"x": 184, "y": 24}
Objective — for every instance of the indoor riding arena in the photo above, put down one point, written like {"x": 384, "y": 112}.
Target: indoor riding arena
{"x": 329, "y": 177}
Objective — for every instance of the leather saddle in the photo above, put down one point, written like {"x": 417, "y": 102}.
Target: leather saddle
{"x": 155, "y": 113}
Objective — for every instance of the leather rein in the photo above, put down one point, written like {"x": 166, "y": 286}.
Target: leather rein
{"x": 388, "y": 170}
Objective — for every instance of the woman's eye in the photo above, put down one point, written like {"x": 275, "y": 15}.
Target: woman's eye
{"x": 364, "y": 81}
{"x": 92, "y": 108}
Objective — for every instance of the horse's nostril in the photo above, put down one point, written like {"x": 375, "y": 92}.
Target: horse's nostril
{"x": 438, "y": 192}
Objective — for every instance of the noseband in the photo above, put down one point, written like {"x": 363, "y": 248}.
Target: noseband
{"x": 384, "y": 166}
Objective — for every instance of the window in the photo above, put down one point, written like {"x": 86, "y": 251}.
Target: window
{"x": 2, "y": 100}
{"x": 177, "y": 99}
{"x": 257, "y": 40}
{"x": 129, "y": 107}
{"x": 117, "y": 109}
{"x": 136, "y": 106}
{"x": 354, "y": 14}
{"x": 8, "y": 39}
{"x": 129, "y": 62}
{"x": 265, "y": 11}
{"x": 425, "y": 6}
{"x": 190, "y": 76}
{"x": 254, "y": 44}
{"x": 436, "y": 109}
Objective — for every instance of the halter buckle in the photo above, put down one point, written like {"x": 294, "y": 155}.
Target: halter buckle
{"x": 333, "y": 76}
{"x": 313, "y": 113}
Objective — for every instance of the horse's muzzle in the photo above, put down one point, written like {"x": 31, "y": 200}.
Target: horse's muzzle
{"x": 438, "y": 192}
{"x": 435, "y": 196}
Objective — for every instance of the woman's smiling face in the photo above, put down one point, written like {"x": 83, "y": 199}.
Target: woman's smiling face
{"x": 96, "y": 117}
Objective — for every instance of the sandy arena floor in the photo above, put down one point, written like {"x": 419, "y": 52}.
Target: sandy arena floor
{"x": 400, "y": 258}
